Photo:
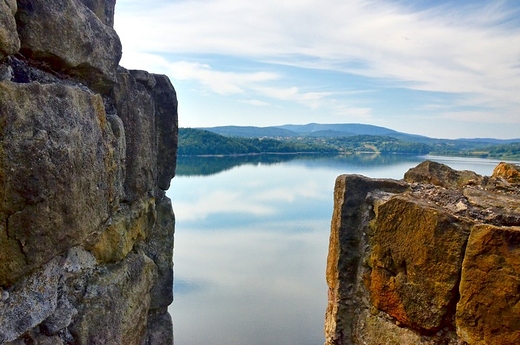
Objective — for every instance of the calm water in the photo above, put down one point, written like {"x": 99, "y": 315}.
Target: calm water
{"x": 251, "y": 243}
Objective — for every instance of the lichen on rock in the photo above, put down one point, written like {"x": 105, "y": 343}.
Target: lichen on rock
{"x": 67, "y": 37}
{"x": 87, "y": 150}
{"x": 9, "y": 41}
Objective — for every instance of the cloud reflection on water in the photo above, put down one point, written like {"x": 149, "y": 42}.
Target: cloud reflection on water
{"x": 240, "y": 191}
{"x": 251, "y": 245}
{"x": 261, "y": 286}
{"x": 221, "y": 201}
{"x": 252, "y": 237}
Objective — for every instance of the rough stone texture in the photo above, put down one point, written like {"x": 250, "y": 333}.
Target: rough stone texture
{"x": 115, "y": 305}
{"x": 440, "y": 175}
{"x": 433, "y": 260}
{"x": 489, "y": 308}
{"x": 377, "y": 328}
{"x": 135, "y": 106}
{"x": 65, "y": 36}
{"x": 103, "y": 9}
{"x": 30, "y": 302}
{"x": 348, "y": 239}
{"x": 9, "y": 41}
{"x": 56, "y": 172}
{"x": 416, "y": 258}
{"x": 167, "y": 129}
{"x": 160, "y": 250}
{"x": 159, "y": 329}
{"x": 87, "y": 150}
{"x": 123, "y": 230}
{"x": 507, "y": 171}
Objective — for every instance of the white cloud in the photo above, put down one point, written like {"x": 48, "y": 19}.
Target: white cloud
{"x": 228, "y": 83}
{"x": 218, "y": 81}
{"x": 433, "y": 48}
{"x": 310, "y": 190}
{"x": 310, "y": 99}
{"x": 465, "y": 50}
{"x": 255, "y": 102}
{"x": 218, "y": 202}
{"x": 240, "y": 201}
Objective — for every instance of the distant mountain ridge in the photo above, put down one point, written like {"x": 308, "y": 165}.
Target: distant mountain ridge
{"x": 338, "y": 130}
{"x": 335, "y": 138}
{"x": 250, "y": 131}
{"x": 310, "y": 129}
{"x": 351, "y": 128}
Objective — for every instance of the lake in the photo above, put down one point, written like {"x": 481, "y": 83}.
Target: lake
{"x": 251, "y": 243}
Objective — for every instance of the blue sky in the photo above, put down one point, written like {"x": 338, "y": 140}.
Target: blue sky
{"x": 445, "y": 69}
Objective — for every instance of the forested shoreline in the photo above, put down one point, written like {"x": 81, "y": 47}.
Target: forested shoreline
{"x": 198, "y": 142}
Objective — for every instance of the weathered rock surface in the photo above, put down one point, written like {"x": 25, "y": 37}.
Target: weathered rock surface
{"x": 9, "y": 41}
{"x": 57, "y": 162}
{"x": 103, "y": 9}
{"x": 87, "y": 150}
{"x": 115, "y": 304}
{"x": 30, "y": 302}
{"x": 416, "y": 257}
{"x": 65, "y": 36}
{"x": 431, "y": 259}
{"x": 489, "y": 308}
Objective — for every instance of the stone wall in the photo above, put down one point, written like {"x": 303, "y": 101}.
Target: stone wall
{"x": 87, "y": 151}
{"x": 431, "y": 259}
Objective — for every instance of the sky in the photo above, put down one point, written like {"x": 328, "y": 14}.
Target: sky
{"x": 444, "y": 69}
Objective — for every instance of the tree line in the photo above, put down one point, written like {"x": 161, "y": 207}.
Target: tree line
{"x": 193, "y": 142}
{"x": 198, "y": 142}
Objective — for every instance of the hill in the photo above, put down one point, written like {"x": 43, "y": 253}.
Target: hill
{"x": 250, "y": 131}
{"x": 313, "y": 130}
{"x": 343, "y": 129}
{"x": 201, "y": 142}
{"x": 336, "y": 138}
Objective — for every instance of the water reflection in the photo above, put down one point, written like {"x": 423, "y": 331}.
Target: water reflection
{"x": 251, "y": 243}
{"x": 204, "y": 166}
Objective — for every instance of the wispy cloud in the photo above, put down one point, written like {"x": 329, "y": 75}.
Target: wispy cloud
{"x": 255, "y": 102}
{"x": 219, "y": 81}
{"x": 471, "y": 51}
{"x": 218, "y": 202}
{"x": 310, "y": 99}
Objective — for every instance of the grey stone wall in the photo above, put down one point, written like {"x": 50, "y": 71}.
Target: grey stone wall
{"x": 87, "y": 150}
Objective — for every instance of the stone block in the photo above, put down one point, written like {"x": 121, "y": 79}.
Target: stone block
{"x": 9, "y": 41}
{"x": 69, "y": 38}
{"x": 489, "y": 308}
{"x": 114, "y": 308}
{"x": 29, "y": 302}
{"x": 55, "y": 173}
{"x": 415, "y": 258}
